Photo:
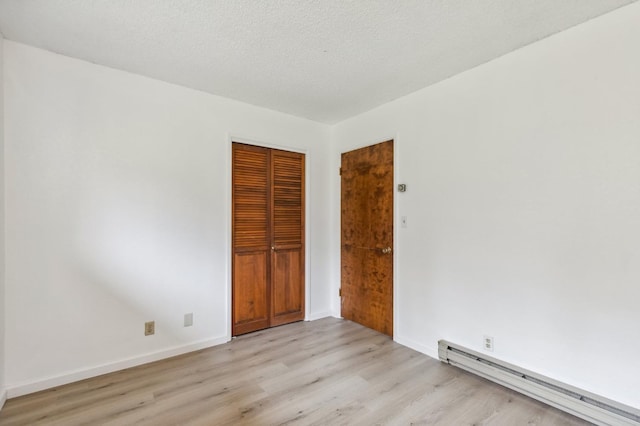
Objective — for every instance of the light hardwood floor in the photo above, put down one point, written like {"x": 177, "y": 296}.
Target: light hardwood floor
{"x": 325, "y": 372}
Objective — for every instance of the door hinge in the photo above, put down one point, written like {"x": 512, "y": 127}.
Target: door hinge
{"x": 340, "y": 171}
{"x": 340, "y": 292}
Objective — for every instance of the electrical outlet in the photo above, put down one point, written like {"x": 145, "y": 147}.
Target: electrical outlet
{"x": 149, "y": 328}
{"x": 188, "y": 320}
{"x": 488, "y": 343}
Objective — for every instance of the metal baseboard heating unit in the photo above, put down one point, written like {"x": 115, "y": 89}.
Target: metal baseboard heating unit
{"x": 578, "y": 402}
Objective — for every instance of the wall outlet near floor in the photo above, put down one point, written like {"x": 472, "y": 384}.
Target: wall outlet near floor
{"x": 149, "y": 328}
{"x": 488, "y": 343}
{"x": 188, "y": 320}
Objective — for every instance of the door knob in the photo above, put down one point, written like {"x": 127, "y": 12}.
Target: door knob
{"x": 386, "y": 250}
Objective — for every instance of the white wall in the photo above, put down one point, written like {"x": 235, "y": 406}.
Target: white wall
{"x": 523, "y": 206}
{"x": 2, "y": 267}
{"x": 118, "y": 206}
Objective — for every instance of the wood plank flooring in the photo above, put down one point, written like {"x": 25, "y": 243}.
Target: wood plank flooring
{"x": 325, "y": 372}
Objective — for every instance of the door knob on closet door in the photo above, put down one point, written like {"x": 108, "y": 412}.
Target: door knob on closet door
{"x": 386, "y": 250}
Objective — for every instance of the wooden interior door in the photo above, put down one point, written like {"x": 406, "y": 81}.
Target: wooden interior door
{"x": 251, "y": 239}
{"x": 287, "y": 251}
{"x": 367, "y": 236}
{"x": 267, "y": 238}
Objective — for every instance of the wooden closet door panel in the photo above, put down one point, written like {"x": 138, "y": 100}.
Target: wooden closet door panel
{"x": 251, "y": 198}
{"x": 288, "y": 198}
{"x": 287, "y": 283}
{"x": 251, "y": 239}
{"x": 251, "y": 292}
{"x": 288, "y": 286}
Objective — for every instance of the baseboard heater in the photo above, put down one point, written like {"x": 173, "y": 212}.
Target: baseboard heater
{"x": 578, "y": 402}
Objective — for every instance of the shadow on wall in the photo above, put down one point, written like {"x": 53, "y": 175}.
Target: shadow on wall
{"x": 139, "y": 249}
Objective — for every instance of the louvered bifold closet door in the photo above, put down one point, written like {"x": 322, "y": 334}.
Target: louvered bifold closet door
{"x": 287, "y": 266}
{"x": 268, "y": 238}
{"x": 251, "y": 239}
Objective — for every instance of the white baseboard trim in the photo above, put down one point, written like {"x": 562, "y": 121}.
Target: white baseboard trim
{"x": 13, "y": 391}
{"x": 3, "y": 398}
{"x": 318, "y": 315}
{"x": 427, "y": 350}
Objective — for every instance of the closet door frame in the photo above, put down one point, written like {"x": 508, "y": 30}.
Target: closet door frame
{"x": 229, "y": 220}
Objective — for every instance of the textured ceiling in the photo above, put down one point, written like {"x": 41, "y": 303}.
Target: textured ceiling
{"x": 325, "y": 60}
